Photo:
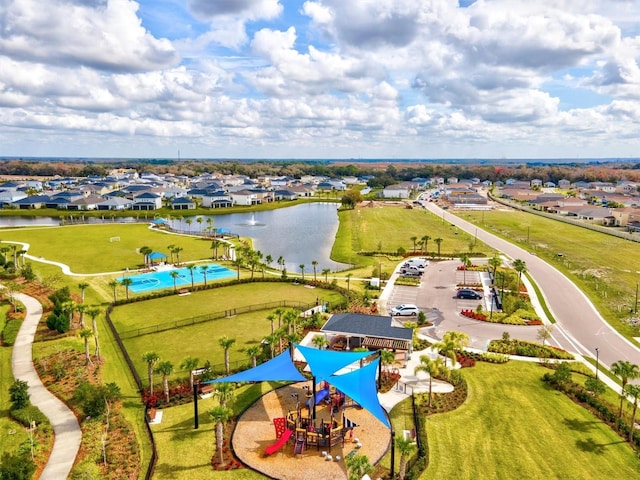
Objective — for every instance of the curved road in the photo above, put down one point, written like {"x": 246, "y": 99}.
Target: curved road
{"x": 65, "y": 426}
{"x": 579, "y": 326}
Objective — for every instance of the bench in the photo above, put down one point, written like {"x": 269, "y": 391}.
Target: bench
{"x": 206, "y": 390}
{"x": 409, "y": 434}
{"x": 152, "y": 414}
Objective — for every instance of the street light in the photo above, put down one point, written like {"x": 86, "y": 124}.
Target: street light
{"x": 492, "y": 298}
{"x": 597, "y": 361}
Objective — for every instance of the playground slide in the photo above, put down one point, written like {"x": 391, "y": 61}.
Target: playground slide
{"x": 320, "y": 396}
{"x": 274, "y": 447}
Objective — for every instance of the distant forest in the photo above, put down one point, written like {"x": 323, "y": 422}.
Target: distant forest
{"x": 382, "y": 174}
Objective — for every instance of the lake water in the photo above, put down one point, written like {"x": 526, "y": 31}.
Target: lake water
{"x": 299, "y": 234}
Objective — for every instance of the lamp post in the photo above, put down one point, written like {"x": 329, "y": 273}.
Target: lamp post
{"x": 597, "y": 361}
{"x": 491, "y": 300}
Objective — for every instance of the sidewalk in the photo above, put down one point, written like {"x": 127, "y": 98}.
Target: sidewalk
{"x": 65, "y": 426}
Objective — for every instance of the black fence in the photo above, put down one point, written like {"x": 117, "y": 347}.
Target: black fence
{"x": 184, "y": 322}
{"x": 154, "y": 453}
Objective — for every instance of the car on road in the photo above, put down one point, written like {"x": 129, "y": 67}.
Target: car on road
{"x": 404, "y": 310}
{"x": 468, "y": 294}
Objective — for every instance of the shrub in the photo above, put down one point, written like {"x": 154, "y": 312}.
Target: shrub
{"x": 28, "y": 414}
{"x": 16, "y": 467}
{"x": 93, "y": 398}
{"x": 19, "y": 395}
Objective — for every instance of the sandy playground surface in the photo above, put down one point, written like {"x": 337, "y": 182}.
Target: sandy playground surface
{"x": 255, "y": 431}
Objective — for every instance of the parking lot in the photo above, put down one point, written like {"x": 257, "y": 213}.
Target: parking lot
{"x": 436, "y": 298}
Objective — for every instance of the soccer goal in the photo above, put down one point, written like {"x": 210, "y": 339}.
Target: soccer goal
{"x": 114, "y": 239}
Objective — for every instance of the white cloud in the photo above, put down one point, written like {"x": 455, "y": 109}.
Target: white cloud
{"x": 106, "y": 37}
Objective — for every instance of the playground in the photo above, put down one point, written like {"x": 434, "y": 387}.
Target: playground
{"x": 312, "y": 449}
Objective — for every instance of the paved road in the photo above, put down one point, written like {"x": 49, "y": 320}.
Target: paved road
{"x": 580, "y": 328}
{"x": 65, "y": 426}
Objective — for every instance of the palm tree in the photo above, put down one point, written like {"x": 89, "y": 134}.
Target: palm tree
{"x": 634, "y": 391}
{"x": 82, "y": 286}
{"x": 626, "y": 371}
{"x": 466, "y": 263}
{"x": 145, "y": 251}
{"x": 349, "y": 275}
{"x": 326, "y": 272}
{"x": 93, "y": 313}
{"x": 114, "y": 285}
{"x": 302, "y": 270}
{"x": 171, "y": 249}
{"x": 85, "y": 333}
{"x": 432, "y": 367}
{"x": 174, "y": 275}
{"x": 69, "y": 307}
{"x": 165, "y": 368}
{"x": 271, "y": 340}
{"x": 405, "y": 447}
{"x": 414, "y": 239}
{"x": 438, "y": 241}
{"x": 177, "y": 251}
{"x": 320, "y": 342}
{"x": 220, "y": 415}
{"x": 281, "y": 262}
{"x": 314, "y": 264}
{"x": 204, "y": 269}
{"x": 224, "y": 393}
{"x": 425, "y": 240}
{"x": 387, "y": 357}
{"x": 191, "y": 269}
{"x": 452, "y": 341}
{"x": 189, "y": 221}
{"x": 252, "y": 352}
{"x": 268, "y": 260}
{"x": 151, "y": 358}
{"x": 126, "y": 282}
{"x": 210, "y": 223}
{"x": 519, "y": 266}
{"x": 357, "y": 466}
{"x": 189, "y": 364}
{"x": 237, "y": 263}
{"x": 494, "y": 263}
{"x": 215, "y": 245}
{"x": 271, "y": 317}
{"x": 200, "y": 220}
{"x": 81, "y": 309}
{"x": 226, "y": 343}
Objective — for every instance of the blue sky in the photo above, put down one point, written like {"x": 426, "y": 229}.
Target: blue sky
{"x": 320, "y": 78}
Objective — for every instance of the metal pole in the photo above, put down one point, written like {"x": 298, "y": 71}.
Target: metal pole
{"x": 597, "y": 361}
{"x": 492, "y": 298}
{"x": 635, "y": 308}
{"x": 195, "y": 405}
{"x": 393, "y": 452}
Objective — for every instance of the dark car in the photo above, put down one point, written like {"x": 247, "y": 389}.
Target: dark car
{"x": 468, "y": 294}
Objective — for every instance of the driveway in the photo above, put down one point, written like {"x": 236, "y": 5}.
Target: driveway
{"x": 579, "y": 328}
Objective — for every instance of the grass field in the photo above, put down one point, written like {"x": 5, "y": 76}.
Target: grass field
{"x": 603, "y": 266}
{"x": 370, "y": 229}
{"x": 87, "y": 249}
{"x": 513, "y": 426}
{"x": 201, "y": 340}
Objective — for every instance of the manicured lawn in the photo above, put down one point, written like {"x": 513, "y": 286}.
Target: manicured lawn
{"x": 12, "y": 434}
{"x": 87, "y": 249}
{"x": 201, "y": 340}
{"x": 601, "y": 265}
{"x": 513, "y": 426}
{"x": 185, "y": 453}
{"x": 370, "y": 229}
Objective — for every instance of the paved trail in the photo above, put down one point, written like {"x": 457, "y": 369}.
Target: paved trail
{"x": 66, "y": 428}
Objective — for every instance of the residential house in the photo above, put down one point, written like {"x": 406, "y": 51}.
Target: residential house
{"x": 399, "y": 190}
{"x": 147, "y": 201}
{"x": 216, "y": 199}
{"x": 115, "y": 203}
{"x": 182, "y": 203}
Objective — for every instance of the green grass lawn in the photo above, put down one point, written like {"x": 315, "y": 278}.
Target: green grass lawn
{"x": 12, "y": 434}
{"x": 87, "y": 249}
{"x": 370, "y": 229}
{"x": 513, "y": 426}
{"x": 600, "y": 265}
{"x": 185, "y": 453}
{"x": 201, "y": 340}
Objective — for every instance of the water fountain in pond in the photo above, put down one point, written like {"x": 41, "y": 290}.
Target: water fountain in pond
{"x": 252, "y": 222}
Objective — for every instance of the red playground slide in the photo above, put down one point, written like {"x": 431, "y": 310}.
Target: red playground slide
{"x": 274, "y": 447}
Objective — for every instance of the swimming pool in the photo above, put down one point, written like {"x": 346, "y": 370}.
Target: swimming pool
{"x": 146, "y": 282}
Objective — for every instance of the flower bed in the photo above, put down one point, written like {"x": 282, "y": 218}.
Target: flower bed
{"x": 499, "y": 317}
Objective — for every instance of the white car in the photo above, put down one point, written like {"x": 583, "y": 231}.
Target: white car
{"x": 405, "y": 309}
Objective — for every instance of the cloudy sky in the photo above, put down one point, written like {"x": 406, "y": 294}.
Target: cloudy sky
{"x": 320, "y": 78}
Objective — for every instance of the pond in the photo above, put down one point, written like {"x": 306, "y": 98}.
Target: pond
{"x": 300, "y": 234}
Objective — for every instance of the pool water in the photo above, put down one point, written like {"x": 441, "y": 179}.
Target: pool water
{"x": 146, "y": 282}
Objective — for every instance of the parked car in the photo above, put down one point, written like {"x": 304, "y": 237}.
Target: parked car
{"x": 411, "y": 271}
{"x": 468, "y": 294}
{"x": 405, "y": 309}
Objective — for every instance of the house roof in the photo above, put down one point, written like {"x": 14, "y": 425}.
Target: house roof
{"x": 366, "y": 326}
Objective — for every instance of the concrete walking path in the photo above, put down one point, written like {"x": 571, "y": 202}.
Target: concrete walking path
{"x": 65, "y": 425}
